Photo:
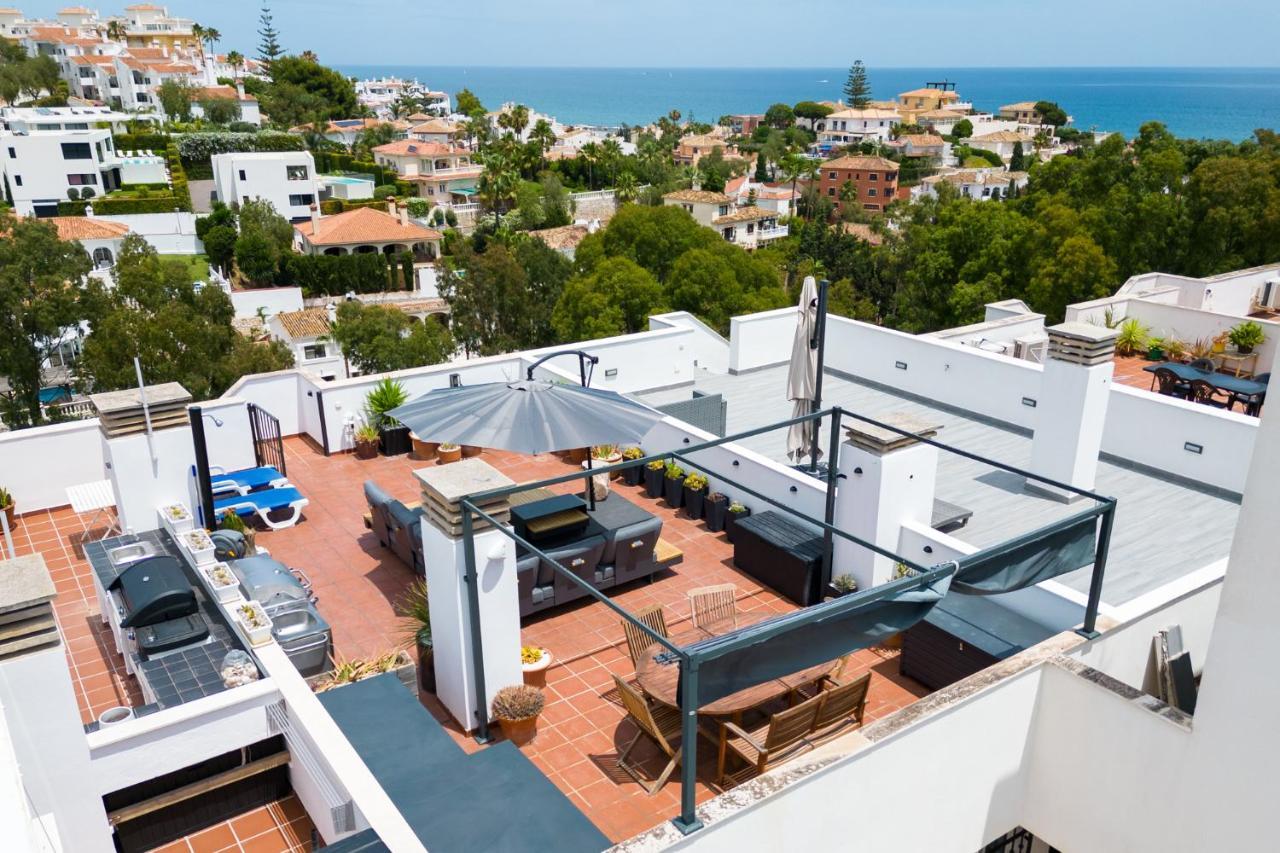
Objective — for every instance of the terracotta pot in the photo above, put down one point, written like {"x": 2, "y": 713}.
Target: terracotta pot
{"x": 520, "y": 732}
{"x": 535, "y": 674}
{"x": 578, "y": 455}
{"x": 366, "y": 449}
{"x": 469, "y": 450}
{"x": 453, "y": 454}
{"x": 424, "y": 449}
{"x": 10, "y": 514}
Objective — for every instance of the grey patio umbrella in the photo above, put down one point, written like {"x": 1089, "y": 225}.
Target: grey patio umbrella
{"x": 526, "y": 416}
{"x": 802, "y": 373}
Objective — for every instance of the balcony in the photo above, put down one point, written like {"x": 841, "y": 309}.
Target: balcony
{"x": 455, "y": 171}
{"x": 777, "y": 233}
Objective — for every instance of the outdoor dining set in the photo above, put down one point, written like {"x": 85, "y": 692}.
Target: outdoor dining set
{"x": 1199, "y": 382}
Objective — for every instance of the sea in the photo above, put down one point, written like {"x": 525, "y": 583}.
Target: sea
{"x": 1218, "y": 103}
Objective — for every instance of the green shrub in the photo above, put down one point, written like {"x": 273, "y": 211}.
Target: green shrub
{"x": 334, "y": 275}
{"x": 71, "y": 208}
{"x": 384, "y": 191}
{"x": 141, "y": 141}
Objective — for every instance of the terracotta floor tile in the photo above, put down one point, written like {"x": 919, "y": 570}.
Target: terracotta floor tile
{"x": 212, "y": 840}
{"x": 254, "y": 823}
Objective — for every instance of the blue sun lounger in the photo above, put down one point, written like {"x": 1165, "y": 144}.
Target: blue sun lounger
{"x": 245, "y": 481}
{"x": 263, "y": 503}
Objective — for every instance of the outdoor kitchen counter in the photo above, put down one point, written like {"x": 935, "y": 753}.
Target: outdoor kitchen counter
{"x": 180, "y": 675}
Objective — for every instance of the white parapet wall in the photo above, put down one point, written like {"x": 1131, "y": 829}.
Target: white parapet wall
{"x": 37, "y": 465}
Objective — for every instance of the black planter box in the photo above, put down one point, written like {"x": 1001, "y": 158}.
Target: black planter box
{"x": 715, "y": 512}
{"x": 394, "y": 441}
{"x": 730, "y": 518}
{"x": 653, "y": 482}
{"x": 634, "y": 475}
{"x": 694, "y": 500}
{"x": 673, "y": 491}
{"x": 835, "y": 593}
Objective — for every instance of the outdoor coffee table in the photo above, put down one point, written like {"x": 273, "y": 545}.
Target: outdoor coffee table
{"x": 662, "y": 680}
{"x": 557, "y": 514}
{"x": 98, "y": 498}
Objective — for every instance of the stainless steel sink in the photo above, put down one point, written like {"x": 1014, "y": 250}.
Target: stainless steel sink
{"x": 127, "y": 555}
{"x": 295, "y": 623}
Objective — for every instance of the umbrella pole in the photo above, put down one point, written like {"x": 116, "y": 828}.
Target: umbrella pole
{"x": 817, "y": 380}
{"x": 591, "y": 485}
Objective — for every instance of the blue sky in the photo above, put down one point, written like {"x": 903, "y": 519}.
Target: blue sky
{"x": 796, "y": 33}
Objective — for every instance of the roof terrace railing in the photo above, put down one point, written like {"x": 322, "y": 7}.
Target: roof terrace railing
{"x": 918, "y": 579}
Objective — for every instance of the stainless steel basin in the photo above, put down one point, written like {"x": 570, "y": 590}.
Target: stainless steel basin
{"x": 295, "y": 623}
{"x": 126, "y": 555}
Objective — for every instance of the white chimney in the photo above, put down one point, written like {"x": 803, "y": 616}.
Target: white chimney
{"x": 1071, "y": 410}
{"x": 240, "y": 89}
{"x": 391, "y": 205}
{"x": 404, "y": 214}
{"x": 315, "y": 218}
{"x": 332, "y": 310}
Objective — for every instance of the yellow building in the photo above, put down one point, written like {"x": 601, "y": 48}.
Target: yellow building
{"x": 912, "y": 104}
{"x": 148, "y": 25}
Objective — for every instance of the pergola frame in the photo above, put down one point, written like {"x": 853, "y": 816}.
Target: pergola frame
{"x": 920, "y": 576}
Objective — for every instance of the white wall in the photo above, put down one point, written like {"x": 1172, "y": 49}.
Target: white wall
{"x": 760, "y": 340}
{"x": 710, "y": 349}
{"x": 1191, "y": 324}
{"x": 270, "y": 300}
{"x": 265, "y": 176}
{"x": 38, "y": 464}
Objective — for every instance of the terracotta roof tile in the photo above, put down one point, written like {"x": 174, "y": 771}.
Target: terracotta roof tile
{"x": 417, "y": 148}
{"x": 86, "y": 228}
{"x": 698, "y": 197}
{"x": 564, "y": 237}
{"x": 744, "y": 214}
{"x": 873, "y": 164}
{"x": 363, "y": 225}
{"x": 307, "y": 323}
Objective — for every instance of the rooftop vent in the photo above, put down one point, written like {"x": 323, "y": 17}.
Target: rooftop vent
{"x": 1082, "y": 343}
{"x": 120, "y": 412}
{"x": 443, "y": 486}
{"x": 26, "y": 609}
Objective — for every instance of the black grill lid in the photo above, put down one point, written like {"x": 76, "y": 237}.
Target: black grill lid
{"x": 154, "y": 590}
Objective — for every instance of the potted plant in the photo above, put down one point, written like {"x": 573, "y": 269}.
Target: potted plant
{"x": 414, "y": 610}
{"x": 842, "y": 585}
{"x": 1245, "y": 336}
{"x": 397, "y": 662}
{"x": 1200, "y": 348}
{"x": 199, "y": 545}
{"x": 367, "y": 440}
{"x": 716, "y": 510}
{"x": 673, "y": 484}
{"x": 1174, "y": 349}
{"x": 1132, "y": 338}
{"x": 534, "y": 661}
{"x": 255, "y": 622}
{"x": 176, "y": 518}
{"x": 1220, "y": 343}
{"x": 448, "y": 452}
{"x": 225, "y": 585}
{"x": 695, "y": 493}
{"x": 393, "y": 436}
{"x": 634, "y": 475}
{"x": 7, "y": 506}
{"x": 423, "y": 449}
{"x": 1155, "y": 349}
{"x": 469, "y": 450}
{"x": 736, "y": 513}
{"x": 603, "y": 455}
{"x": 517, "y": 708}
{"x": 232, "y": 521}
{"x": 653, "y": 478}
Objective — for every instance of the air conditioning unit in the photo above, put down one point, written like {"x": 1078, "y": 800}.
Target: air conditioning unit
{"x": 1270, "y": 294}
{"x": 1031, "y": 348}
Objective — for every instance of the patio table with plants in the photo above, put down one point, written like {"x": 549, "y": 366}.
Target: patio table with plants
{"x": 662, "y": 680}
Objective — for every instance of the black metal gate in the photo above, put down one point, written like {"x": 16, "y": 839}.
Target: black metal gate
{"x": 268, "y": 446}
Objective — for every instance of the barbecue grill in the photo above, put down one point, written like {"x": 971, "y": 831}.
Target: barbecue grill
{"x": 159, "y": 606}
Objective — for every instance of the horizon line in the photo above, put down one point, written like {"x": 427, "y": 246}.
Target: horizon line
{"x": 870, "y": 68}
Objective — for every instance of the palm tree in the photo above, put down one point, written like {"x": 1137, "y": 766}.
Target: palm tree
{"x": 116, "y": 30}
{"x": 1040, "y": 141}
{"x": 212, "y": 36}
{"x": 197, "y": 32}
{"x": 591, "y": 153}
{"x": 235, "y": 60}
{"x": 544, "y": 137}
{"x": 611, "y": 154}
{"x": 309, "y": 56}
{"x": 625, "y": 188}
{"x": 498, "y": 182}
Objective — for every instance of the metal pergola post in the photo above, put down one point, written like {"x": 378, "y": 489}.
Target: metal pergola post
{"x": 204, "y": 482}
{"x": 688, "y": 821}
{"x": 473, "y": 607}
{"x": 1089, "y": 629}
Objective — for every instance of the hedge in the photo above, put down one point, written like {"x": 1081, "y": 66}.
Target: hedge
{"x": 334, "y": 275}
{"x": 199, "y": 147}
{"x": 178, "y": 177}
{"x": 141, "y": 141}
{"x": 336, "y": 205}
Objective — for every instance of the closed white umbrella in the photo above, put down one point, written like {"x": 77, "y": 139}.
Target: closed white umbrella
{"x": 802, "y": 374}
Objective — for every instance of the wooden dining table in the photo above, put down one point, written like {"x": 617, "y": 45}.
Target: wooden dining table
{"x": 662, "y": 680}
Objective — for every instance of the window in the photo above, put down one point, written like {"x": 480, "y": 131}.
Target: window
{"x": 76, "y": 125}
{"x": 871, "y": 207}
{"x": 311, "y": 351}
{"x": 17, "y": 179}
{"x": 831, "y": 190}
{"x": 113, "y": 81}
{"x": 13, "y": 155}
{"x": 83, "y": 180}
{"x": 301, "y": 199}
{"x": 296, "y": 173}
{"x": 873, "y": 176}
{"x": 831, "y": 175}
{"x": 243, "y": 177}
{"x": 76, "y": 151}
{"x": 724, "y": 210}
{"x": 98, "y": 147}
{"x": 871, "y": 193}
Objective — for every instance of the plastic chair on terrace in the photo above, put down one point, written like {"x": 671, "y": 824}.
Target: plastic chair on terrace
{"x": 1206, "y": 393}
{"x": 1171, "y": 385}
{"x": 714, "y": 605}
{"x": 1204, "y": 364}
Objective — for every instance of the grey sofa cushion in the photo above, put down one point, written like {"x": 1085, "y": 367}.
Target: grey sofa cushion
{"x": 402, "y": 515}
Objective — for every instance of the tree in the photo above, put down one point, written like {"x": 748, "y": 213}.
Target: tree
{"x": 221, "y": 110}
{"x": 220, "y": 246}
{"x": 175, "y": 99}
{"x": 616, "y": 298}
{"x": 779, "y": 116}
{"x": 857, "y": 91}
{"x": 812, "y": 111}
{"x": 498, "y": 181}
{"x": 236, "y": 60}
{"x": 40, "y": 299}
{"x": 22, "y": 74}
{"x": 963, "y": 129}
{"x": 544, "y": 137}
{"x": 211, "y": 37}
{"x": 1018, "y": 159}
{"x": 1051, "y": 113}
{"x": 653, "y": 237}
{"x": 625, "y": 188}
{"x": 302, "y": 90}
{"x": 468, "y": 104}
{"x": 381, "y": 338}
{"x": 721, "y": 281}
{"x": 269, "y": 49}
{"x": 179, "y": 333}
{"x": 488, "y": 300}
{"x": 762, "y": 168}
{"x": 259, "y": 216}
{"x": 257, "y": 258}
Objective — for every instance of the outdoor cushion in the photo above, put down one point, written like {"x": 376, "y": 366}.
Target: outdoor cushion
{"x": 402, "y": 515}
{"x": 247, "y": 480}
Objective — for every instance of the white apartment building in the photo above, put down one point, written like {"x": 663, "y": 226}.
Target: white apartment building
{"x": 980, "y": 184}
{"x": 846, "y": 127}
{"x": 44, "y": 168}
{"x": 748, "y": 226}
{"x": 287, "y": 179}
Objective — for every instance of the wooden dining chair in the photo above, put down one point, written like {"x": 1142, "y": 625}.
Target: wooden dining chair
{"x": 637, "y": 640}
{"x": 660, "y": 723}
{"x": 831, "y": 678}
{"x": 779, "y": 740}
{"x": 714, "y": 604}
{"x": 843, "y": 706}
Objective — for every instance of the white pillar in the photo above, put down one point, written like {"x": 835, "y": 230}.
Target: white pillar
{"x": 888, "y": 479}
{"x": 444, "y": 554}
{"x": 1071, "y": 411}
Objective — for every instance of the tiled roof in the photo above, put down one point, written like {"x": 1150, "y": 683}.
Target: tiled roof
{"x": 930, "y": 93}
{"x": 87, "y": 228}
{"x": 941, "y": 115}
{"x": 1021, "y": 106}
{"x": 420, "y": 306}
{"x": 863, "y": 232}
{"x": 435, "y": 125}
{"x": 871, "y": 164}
{"x": 363, "y": 225}
{"x": 1001, "y": 136}
{"x": 564, "y": 237}
{"x": 307, "y": 323}
{"x": 229, "y": 92}
{"x": 416, "y": 148}
{"x": 698, "y": 197}
{"x": 866, "y": 115}
{"x": 920, "y": 139}
{"x": 744, "y": 214}
{"x": 704, "y": 140}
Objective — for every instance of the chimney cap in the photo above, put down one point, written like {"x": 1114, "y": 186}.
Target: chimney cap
{"x": 880, "y": 440}
{"x": 1082, "y": 343}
